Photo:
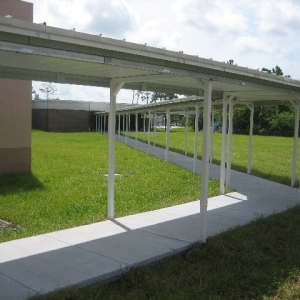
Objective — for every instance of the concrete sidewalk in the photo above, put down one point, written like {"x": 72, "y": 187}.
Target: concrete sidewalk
{"x": 100, "y": 251}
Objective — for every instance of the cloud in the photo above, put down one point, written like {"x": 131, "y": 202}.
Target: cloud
{"x": 278, "y": 17}
{"x": 78, "y": 92}
{"x": 246, "y": 44}
{"x": 217, "y": 16}
{"x": 75, "y": 92}
{"x": 62, "y": 13}
{"x": 112, "y": 18}
{"x": 151, "y": 33}
{"x": 83, "y": 93}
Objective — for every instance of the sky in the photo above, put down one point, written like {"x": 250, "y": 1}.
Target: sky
{"x": 253, "y": 33}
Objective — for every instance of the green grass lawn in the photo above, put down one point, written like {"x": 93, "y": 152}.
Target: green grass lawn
{"x": 272, "y": 156}
{"x": 68, "y": 188}
{"x": 257, "y": 261}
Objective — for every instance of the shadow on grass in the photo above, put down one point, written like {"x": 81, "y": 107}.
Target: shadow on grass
{"x": 15, "y": 183}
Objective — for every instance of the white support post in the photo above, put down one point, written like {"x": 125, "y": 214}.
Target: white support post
{"x": 186, "y": 133}
{"x": 126, "y": 128}
{"x": 155, "y": 123}
{"x": 123, "y": 127}
{"x": 167, "y": 135}
{"x": 144, "y": 127}
{"x": 149, "y": 124}
{"x": 212, "y": 135}
{"x": 114, "y": 89}
{"x": 136, "y": 129}
{"x": 223, "y": 151}
{"x": 128, "y": 123}
{"x": 295, "y": 149}
{"x": 101, "y": 124}
{"x": 197, "y": 107}
{"x": 205, "y": 160}
{"x": 250, "y": 151}
{"x": 119, "y": 125}
{"x": 229, "y": 154}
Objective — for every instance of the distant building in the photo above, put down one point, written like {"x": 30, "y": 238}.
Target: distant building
{"x": 67, "y": 115}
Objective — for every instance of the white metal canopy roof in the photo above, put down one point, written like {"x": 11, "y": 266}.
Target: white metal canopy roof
{"x": 43, "y": 53}
{"x": 38, "y": 52}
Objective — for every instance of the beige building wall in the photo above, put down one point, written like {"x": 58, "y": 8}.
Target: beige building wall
{"x": 15, "y": 106}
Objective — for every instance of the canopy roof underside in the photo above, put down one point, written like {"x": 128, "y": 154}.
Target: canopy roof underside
{"x": 38, "y": 52}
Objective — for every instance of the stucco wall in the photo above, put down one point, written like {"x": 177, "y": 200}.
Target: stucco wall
{"x": 15, "y": 103}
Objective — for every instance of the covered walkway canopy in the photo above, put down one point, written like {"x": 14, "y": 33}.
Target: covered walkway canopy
{"x": 190, "y": 106}
{"x": 42, "y": 53}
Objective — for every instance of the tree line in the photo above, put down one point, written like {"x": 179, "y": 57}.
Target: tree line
{"x": 268, "y": 120}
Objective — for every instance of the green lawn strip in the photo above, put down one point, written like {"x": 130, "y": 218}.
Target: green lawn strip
{"x": 272, "y": 156}
{"x": 258, "y": 261}
{"x": 68, "y": 187}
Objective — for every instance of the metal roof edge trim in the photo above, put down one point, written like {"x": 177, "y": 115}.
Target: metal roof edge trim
{"x": 53, "y": 33}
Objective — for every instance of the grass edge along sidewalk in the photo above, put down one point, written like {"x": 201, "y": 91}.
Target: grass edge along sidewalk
{"x": 256, "y": 261}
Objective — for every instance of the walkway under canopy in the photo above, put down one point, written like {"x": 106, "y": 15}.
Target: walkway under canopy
{"x": 42, "y": 53}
